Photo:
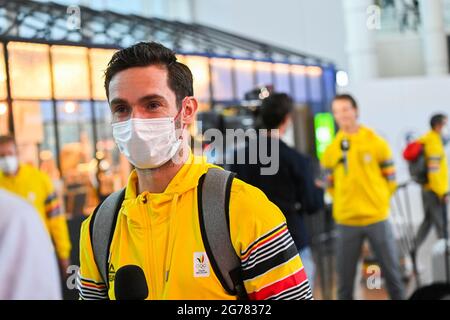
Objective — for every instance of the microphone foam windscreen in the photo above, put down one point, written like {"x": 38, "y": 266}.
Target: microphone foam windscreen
{"x": 130, "y": 283}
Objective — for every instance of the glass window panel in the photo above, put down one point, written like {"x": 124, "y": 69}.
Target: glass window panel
{"x": 29, "y": 70}
{"x": 264, "y": 73}
{"x": 300, "y": 85}
{"x": 3, "y": 94}
{"x": 282, "y": 81}
{"x": 99, "y": 60}
{"x": 204, "y": 104}
{"x": 329, "y": 75}
{"x": 35, "y": 135}
{"x": 200, "y": 71}
{"x": 3, "y": 118}
{"x": 74, "y": 121}
{"x": 78, "y": 167}
{"x": 28, "y": 122}
{"x": 104, "y": 119}
{"x": 29, "y": 130}
{"x": 70, "y": 72}
{"x": 315, "y": 83}
{"x": 245, "y": 80}
{"x": 48, "y": 154}
{"x": 113, "y": 168}
{"x": 222, "y": 79}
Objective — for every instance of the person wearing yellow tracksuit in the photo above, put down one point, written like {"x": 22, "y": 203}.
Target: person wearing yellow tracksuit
{"x": 434, "y": 192}
{"x": 158, "y": 228}
{"x": 36, "y": 187}
{"x": 360, "y": 176}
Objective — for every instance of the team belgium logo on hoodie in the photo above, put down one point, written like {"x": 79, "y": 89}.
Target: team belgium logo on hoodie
{"x": 201, "y": 265}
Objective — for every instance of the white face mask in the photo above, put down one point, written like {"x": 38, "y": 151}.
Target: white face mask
{"x": 147, "y": 143}
{"x": 445, "y": 131}
{"x": 9, "y": 164}
{"x": 445, "y": 134}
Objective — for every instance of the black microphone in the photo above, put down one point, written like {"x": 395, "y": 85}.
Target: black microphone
{"x": 130, "y": 283}
{"x": 345, "y": 147}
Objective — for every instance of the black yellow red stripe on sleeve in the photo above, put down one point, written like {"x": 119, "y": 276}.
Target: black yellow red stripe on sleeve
{"x": 388, "y": 169}
{"x": 91, "y": 290}
{"x": 52, "y": 206}
{"x": 270, "y": 258}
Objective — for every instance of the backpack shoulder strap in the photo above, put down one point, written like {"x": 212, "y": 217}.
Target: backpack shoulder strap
{"x": 213, "y": 203}
{"x": 101, "y": 228}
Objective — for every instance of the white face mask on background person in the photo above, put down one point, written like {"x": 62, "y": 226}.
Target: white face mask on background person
{"x": 445, "y": 131}
{"x": 445, "y": 134}
{"x": 9, "y": 164}
{"x": 147, "y": 143}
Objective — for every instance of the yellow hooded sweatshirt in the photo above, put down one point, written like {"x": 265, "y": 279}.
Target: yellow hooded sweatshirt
{"x": 161, "y": 234}
{"x": 436, "y": 162}
{"x": 361, "y": 196}
{"x": 36, "y": 187}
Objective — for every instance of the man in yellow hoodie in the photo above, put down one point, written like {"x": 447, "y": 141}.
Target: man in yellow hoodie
{"x": 36, "y": 187}
{"x": 360, "y": 177}
{"x": 435, "y": 191}
{"x": 158, "y": 229}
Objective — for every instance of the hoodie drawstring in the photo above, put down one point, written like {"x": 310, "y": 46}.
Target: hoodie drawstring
{"x": 171, "y": 236}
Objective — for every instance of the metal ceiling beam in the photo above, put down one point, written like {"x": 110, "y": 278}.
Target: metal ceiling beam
{"x": 119, "y": 29}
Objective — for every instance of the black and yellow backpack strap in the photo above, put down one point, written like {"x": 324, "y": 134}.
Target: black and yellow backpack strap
{"x": 101, "y": 229}
{"x": 213, "y": 206}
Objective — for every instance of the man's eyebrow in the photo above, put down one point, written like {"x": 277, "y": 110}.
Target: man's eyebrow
{"x": 116, "y": 101}
{"x": 142, "y": 100}
{"x": 151, "y": 97}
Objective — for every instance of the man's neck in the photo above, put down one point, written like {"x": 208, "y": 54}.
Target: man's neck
{"x": 351, "y": 129}
{"x": 156, "y": 180}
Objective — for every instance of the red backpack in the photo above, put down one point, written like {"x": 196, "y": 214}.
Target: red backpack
{"x": 414, "y": 154}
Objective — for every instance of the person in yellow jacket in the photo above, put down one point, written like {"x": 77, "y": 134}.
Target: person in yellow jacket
{"x": 435, "y": 191}
{"x": 360, "y": 177}
{"x": 36, "y": 187}
{"x": 158, "y": 228}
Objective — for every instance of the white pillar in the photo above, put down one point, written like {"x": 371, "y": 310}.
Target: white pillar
{"x": 194, "y": 10}
{"x": 360, "y": 27}
{"x": 147, "y": 8}
{"x": 154, "y": 8}
{"x": 434, "y": 37}
{"x": 180, "y": 10}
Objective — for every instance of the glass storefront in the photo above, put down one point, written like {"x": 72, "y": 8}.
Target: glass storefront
{"x": 245, "y": 77}
{"x": 3, "y": 118}
{"x": 222, "y": 79}
{"x": 62, "y": 119}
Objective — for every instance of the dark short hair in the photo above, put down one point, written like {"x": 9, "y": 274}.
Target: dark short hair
{"x": 7, "y": 139}
{"x": 274, "y": 110}
{"x": 437, "y": 120}
{"x": 347, "y": 97}
{"x": 145, "y": 54}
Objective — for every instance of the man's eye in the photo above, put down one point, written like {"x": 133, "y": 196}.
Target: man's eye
{"x": 120, "y": 109}
{"x": 153, "y": 105}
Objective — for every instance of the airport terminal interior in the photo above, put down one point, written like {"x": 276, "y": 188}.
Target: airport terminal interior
{"x": 391, "y": 56}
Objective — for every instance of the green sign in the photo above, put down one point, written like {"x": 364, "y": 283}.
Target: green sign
{"x": 324, "y": 132}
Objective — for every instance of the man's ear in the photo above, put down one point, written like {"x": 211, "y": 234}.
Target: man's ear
{"x": 190, "y": 106}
